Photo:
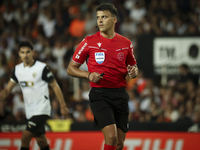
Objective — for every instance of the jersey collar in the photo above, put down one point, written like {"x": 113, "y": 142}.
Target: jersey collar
{"x": 106, "y": 38}
{"x": 31, "y": 65}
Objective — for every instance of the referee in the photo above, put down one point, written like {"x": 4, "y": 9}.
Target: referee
{"x": 110, "y": 57}
{"x": 34, "y": 78}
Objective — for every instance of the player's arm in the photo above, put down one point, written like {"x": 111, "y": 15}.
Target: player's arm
{"x": 80, "y": 55}
{"x": 5, "y": 92}
{"x": 131, "y": 63}
{"x": 63, "y": 109}
{"x": 47, "y": 76}
{"x": 73, "y": 70}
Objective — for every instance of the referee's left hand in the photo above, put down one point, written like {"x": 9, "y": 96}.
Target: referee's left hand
{"x": 132, "y": 71}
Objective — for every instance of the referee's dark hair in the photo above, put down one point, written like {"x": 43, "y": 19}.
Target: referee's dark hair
{"x": 25, "y": 44}
{"x": 109, "y": 7}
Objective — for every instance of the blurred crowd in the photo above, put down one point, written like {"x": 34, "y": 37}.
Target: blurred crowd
{"x": 55, "y": 27}
{"x": 178, "y": 101}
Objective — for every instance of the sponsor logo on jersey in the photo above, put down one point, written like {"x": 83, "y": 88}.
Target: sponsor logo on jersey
{"x": 131, "y": 46}
{"x": 80, "y": 51}
{"x": 34, "y": 75}
{"x": 99, "y": 44}
{"x": 100, "y": 57}
{"x": 49, "y": 74}
{"x": 120, "y": 56}
{"x": 26, "y": 83}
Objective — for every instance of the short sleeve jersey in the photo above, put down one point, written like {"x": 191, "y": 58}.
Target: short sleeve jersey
{"x": 34, "y": 84}
{"x": 109, "y": 56}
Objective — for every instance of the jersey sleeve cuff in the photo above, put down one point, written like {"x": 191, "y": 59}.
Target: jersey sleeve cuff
{"x": 50, "y": 81}
{"x": 77, "y": 62}
{"x": 11, "y": 79}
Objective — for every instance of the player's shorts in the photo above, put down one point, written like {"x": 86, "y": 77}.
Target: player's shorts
{"x": 110, "y": 106}
{"x": 36, "y": 124}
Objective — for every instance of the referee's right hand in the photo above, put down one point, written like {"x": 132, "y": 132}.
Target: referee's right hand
{"x": 94, "y": 77}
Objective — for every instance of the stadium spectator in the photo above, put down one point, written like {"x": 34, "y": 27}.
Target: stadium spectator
{"x": 186, "y": 75}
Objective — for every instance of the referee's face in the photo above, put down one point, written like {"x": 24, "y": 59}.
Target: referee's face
{"x": 26, "y": 55}
{"x": 106, "y": 21}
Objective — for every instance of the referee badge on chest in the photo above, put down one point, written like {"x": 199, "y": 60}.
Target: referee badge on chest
{"x": 100, "y": 57}
{"x": 120, "y": 56}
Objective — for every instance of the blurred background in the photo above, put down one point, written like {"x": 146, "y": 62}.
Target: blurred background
{"x": 165, "y": 35}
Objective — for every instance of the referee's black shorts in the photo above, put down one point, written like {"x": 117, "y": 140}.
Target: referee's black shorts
{"x": 36, "y": 124}
{"x": 110, "y": 106}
